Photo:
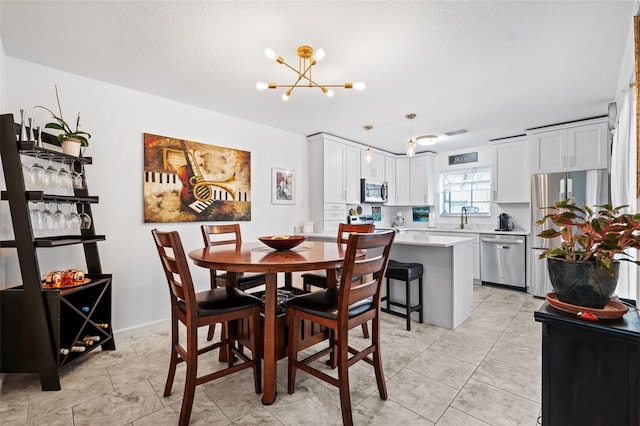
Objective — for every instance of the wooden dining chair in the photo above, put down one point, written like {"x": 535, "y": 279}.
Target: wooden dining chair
{"x": 219, "y": 305}
{"x": 217, "y": 235}
{"x": 319, "y": 278}
{"x": 340, "y": 309}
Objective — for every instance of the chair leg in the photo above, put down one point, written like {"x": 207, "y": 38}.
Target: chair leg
{"x": 420, "y": 293}
{"x": 210, "y": 333}
{"x": 377, "y": 359}
{"x": 343, "y": 379}
{"x": 408, "y": 307}
{"x": 294, "y": 333}
{"x": 388, "y": 295}
{"x": 257, "y": 345}
{"x": 190, "y": 380}
{"x": 365, "y": 330}
{"x": 173, "y": 362}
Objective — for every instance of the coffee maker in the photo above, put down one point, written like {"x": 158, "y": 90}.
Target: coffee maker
{"x": 505, "y": 222}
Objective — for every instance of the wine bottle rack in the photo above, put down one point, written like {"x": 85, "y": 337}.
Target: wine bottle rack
{"x": 42, "y": 329}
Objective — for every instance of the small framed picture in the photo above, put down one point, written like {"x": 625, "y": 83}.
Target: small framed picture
{"x": 283, "y": 186}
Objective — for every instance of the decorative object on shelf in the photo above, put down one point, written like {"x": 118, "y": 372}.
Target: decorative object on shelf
{"x": 283, "y": 189}
{"x": 583, "y": 269}
{"x": 23, "y": 127}
{"x": 411, "y": 147}
{"x": 187, "y": 181}
{"x": 71, "y": 140}
{"x": 306, "y": 61}
{"x": 283, "y": 242}
{"x": 368, "y": 127}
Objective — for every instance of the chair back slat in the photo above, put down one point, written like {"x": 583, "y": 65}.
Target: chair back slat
{"x": 176, "y": 268}
{"x": 217, "y": 235}
{"x": 346, "y": 229}
{"x": 351, "y": 292}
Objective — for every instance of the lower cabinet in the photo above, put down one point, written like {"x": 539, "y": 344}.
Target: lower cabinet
{"x": 590, "y": 370}
{"x": 80, "y": 318}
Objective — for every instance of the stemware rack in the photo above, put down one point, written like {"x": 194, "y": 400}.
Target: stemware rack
{"x": 40, "y": 326}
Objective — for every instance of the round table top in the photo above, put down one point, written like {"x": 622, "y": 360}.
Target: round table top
{"x": 257, "y": 257}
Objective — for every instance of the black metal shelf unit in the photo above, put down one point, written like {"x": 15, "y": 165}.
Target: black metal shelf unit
{"x": 40, "y": 326}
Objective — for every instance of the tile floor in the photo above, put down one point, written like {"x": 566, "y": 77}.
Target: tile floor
{"x": 486, "y": 372}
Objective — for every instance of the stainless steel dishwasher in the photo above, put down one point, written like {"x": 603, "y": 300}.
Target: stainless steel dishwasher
{"x": 503, "y": 260}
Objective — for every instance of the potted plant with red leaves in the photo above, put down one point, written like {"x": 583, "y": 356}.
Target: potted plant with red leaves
{"x": 584, "y": 267}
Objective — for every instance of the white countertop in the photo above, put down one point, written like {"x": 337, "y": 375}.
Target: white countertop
{"x": 414, "y": 238}
{"x": 516, "y": 231}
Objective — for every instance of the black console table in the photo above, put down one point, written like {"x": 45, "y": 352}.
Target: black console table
{"x": 590, "y": 370}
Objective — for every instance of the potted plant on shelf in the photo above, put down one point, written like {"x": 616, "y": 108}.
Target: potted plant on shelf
{"x": 70, "y": 140}
{"x": 584, "y": 268}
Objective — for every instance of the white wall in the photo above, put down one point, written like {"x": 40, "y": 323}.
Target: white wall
{"x": 117, "y": 117}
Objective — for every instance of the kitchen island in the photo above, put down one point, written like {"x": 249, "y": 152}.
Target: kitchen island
{"x": 448, "y": 274}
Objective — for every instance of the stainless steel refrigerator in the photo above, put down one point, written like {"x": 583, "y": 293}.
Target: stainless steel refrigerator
{"x": 586, "y": 187}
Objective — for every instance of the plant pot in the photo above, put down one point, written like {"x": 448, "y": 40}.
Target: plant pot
{"x": 582, "y": 283}
{"x": 71, "y": 146}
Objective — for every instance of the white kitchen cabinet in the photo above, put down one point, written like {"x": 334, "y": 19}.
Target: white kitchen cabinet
{"x": 352, "y": 174}
{"x": 390, "y": 177}
{"x": 375, "y": 168}
{"x": 511, "y": 172}
{"x": 422, "y": 180}
{"x": 570, "y": 147}
{"x": 403, "y": 196}
{"x": 334, "y": 180}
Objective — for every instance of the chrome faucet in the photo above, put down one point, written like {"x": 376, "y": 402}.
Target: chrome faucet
{"x": 463, "y": 217}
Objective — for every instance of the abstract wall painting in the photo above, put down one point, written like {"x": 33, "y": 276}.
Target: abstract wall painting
{"x": 187, "y": 181}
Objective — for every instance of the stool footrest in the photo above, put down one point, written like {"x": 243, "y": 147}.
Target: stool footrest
{"x": 414, "y": 308}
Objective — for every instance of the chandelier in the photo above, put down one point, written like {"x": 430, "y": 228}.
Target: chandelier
{"x": 306, "y": 61}
{"x": 411, "y": 147}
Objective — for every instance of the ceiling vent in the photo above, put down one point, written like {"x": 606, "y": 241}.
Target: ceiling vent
{"x": 456, "y": 132}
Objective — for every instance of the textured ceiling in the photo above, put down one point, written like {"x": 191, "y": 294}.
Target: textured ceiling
{"x": 492, "y": 67}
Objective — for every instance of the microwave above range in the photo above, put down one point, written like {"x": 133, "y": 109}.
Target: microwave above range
{"x": 372, "y": 191}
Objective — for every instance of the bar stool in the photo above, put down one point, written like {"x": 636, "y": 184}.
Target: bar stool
{"x": 406, "y": 272}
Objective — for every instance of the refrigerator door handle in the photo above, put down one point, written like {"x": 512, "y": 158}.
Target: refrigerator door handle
{"x": 569, "y": 188}
{"x": 563, "y": 189}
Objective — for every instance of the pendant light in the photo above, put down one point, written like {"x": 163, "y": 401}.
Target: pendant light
{"x": 368, "y": 154}
{"x": 411, "y": 147}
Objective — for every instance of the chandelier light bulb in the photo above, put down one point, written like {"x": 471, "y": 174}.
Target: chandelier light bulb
{"x": 285, "y": 96}
{"x": 319, "y": 54}
{"x": 269, "y": 53}
{"x": 359, "y": 85}
{"x": 261, "y": 85}
{"x": 329, "y": 93}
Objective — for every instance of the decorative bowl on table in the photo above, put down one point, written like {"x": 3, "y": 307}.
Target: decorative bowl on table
{"x": 282, "y": 242}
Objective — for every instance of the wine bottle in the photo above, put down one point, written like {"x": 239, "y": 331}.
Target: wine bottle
{"x": 94, "y": 338}
{"x": 77, "y": 349}
{"x": 102, "y": 325}
{"x": 84, "y": 342}
{"x": 64, "y": 351}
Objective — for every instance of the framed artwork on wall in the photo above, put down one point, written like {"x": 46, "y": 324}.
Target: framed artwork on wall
{"x": 187, "y": 181}
{"x": 283, "y": 189}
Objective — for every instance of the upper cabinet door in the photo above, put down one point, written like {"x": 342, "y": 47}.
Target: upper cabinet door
{"x": 587, "y": 147}
{"x": 390, "y": 177}
{"x": 373, "y": 169}
{"x": 511, "y": 172}
{"x": 334, "y": 167}
{"x": 352, "y": 174}
{"x": 549, "y": 152}
{"x": 402, "y": 182}
{"x": 422, "y": 180}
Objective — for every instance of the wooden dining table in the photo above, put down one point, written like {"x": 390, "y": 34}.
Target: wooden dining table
{"x": 257, "y": 257}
